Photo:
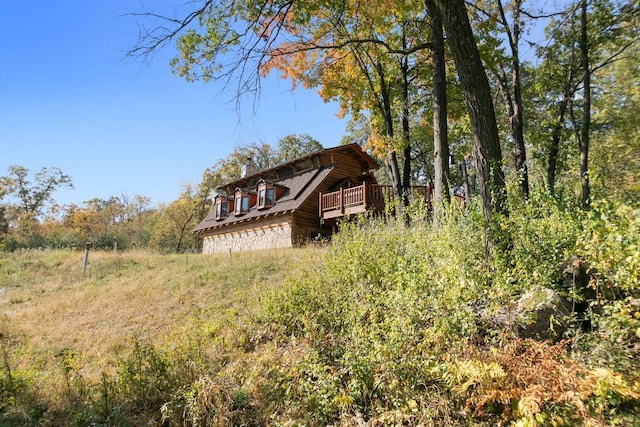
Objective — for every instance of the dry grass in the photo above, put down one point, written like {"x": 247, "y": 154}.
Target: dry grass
{"x": 48, "y": 306}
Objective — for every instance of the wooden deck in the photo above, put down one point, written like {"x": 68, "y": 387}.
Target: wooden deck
{"x": 364, "y": 197}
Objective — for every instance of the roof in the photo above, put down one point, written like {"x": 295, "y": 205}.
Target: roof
{"x": 299, "y": 188}
{"x": 355, "y": 149}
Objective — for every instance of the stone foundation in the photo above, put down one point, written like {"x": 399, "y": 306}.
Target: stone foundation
{"x": 274, "y": 235}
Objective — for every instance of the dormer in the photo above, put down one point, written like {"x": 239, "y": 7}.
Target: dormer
{"x": 243, "y": 200}
{"x": 223, "y": 206}
{"x": 268, "y": 193}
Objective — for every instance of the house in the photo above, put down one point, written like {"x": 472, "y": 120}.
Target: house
{"x": 293, "y": 202}
{"x": 280, "y": 207}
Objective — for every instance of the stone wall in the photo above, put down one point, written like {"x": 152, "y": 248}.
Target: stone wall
{"x": 253, "y": 236}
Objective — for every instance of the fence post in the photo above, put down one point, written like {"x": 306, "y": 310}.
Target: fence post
{"x": 87, "y": 246}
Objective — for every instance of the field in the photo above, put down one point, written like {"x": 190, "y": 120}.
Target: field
{"x": 386, "y": 325}
{"x": 48, "y": 305}
{"x": 51, "y": 311}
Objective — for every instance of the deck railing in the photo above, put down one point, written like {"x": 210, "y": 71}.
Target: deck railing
{"x": 362, "y": 197}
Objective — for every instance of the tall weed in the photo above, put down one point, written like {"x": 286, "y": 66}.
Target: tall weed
{"x": 380, "y": 307}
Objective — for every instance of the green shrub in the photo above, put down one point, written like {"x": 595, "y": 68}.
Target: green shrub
{"x": 544, "y": 231}
{"x": 381, "y": 292}
{"x": 381, "y": 327}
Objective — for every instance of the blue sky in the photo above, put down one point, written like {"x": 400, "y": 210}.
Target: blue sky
{"x": 69, "y": 100}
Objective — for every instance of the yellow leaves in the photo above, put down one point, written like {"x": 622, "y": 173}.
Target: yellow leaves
{"x": 606, "y": 383}
{"x": 343, "y": 401}
{"x": 533, "y": 383}
{"x": 528, "y": 406}
{"x": 474, "y": 373}
{"x": 378, "y": 144}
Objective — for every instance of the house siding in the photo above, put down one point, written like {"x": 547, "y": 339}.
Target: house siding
{"x": 274, "y": 234}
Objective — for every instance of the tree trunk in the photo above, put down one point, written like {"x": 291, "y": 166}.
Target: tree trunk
{"x": 519, "y": 150}
{"x": 514, "y": 103}
{"x": 477, "y": 94}
{"x": 465, "y": 182}
{"x": 406, "y": 136}
{"x": 586, "y": 113}
{"x": 556, "y": 133}
{"x": 385, "y": 106}
{"x": 439, "y": 106}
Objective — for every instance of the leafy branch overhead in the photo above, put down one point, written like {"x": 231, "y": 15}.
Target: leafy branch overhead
{"x": 374, "y": 58}
{"x": 369, "y": 56}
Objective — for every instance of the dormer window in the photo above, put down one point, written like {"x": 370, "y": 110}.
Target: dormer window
{"x": 304, "y": 165}
{"x": 242, "y": 202}
{"x": 222, "y": 207}
{"x": 269, "y": 193}
{"x": 266, "y": 195}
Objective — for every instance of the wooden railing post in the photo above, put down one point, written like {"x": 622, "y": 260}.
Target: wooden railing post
{"x": 342, "y": 200}
{"x": 320, "y": 205}
{"x": 364, "y": 194}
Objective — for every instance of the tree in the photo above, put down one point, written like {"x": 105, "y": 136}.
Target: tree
{"x": 4, "y": 223}
{"x": 507, "y": 70}
{"x": 439, "y": 106}
{"x": 230, "y": 168}
{"x": 366, "y": 60}
{"x": 588, "y": 40}
{"x": 173, "y": 223}
{"x": 615, "y": 165}
{"x": 584, "y": 137}
{"x": 477, "y": 94}
{"x": 555, "y": 88}
{"x": 358, "y": 131}
{"x": 32, "y": 197}
{"x": 120, "y": 219}
{"x": 293, "y": 146}
{"x": 249, "y": 38}
{"x": 351, "y": 50}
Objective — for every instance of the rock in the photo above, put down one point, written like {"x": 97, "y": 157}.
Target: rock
{"x": 539, "y": 313}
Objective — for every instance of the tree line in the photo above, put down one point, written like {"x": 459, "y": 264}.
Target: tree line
{"x": 430, "y": 78}
{"x": 30, "y": 217}
{"x": 486, "y": 97}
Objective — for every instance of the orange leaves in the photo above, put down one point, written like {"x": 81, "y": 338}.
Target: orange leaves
{"x": 523, "y": 378}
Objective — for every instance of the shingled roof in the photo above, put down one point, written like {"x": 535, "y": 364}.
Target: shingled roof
{"x": 299, "y": 188}
{"x": 366, "y": 161}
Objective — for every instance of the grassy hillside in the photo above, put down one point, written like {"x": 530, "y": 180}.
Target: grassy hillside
{"x": 61, "y": 326}
{"x": 387, "y": 325}
{"x": 48, "y": 305}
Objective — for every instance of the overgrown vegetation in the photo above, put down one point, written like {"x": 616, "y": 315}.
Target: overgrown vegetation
{"x": 387, "y": 325}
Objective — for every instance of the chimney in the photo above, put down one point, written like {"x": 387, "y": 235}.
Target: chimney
{"x": 249, "y": 168}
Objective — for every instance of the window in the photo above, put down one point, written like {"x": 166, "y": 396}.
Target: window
{"x": 271, "y": 196}
{"x": 266, "y": 195}
{"x": 222, "y": 210}
{"x": 222, "y": 207}
{"x": 304, "y": 165}
{"x": 242, "y": 202}
{"x": 285, "y": 172}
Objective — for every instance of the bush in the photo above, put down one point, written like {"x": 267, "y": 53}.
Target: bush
{"x": 385, "y": 326}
